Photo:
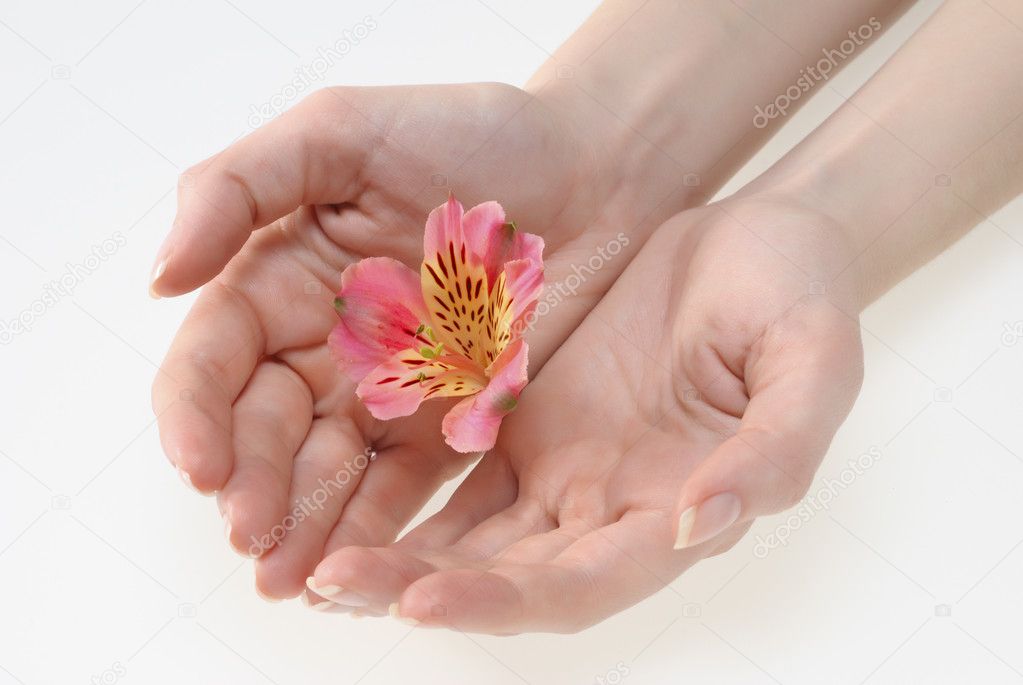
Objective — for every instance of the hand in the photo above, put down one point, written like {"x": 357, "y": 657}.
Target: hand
{"x": 712, "y": 375}
{"x": 249, "y": 403}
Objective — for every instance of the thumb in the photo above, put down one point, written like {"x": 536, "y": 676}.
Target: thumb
{"x": 310, "y": 155}
{"x": 798, "y": 399}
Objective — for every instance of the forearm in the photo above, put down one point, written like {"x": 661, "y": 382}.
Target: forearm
{"x": 924, "y": 151}
{"x": 677, "y": 87}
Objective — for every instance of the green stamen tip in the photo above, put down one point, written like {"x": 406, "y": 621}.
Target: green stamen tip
{"x": 506, "y": 403}
{"x": 422, "y": 327}
{"x": 427, "y": 352}
{"x": 339, "y": 304}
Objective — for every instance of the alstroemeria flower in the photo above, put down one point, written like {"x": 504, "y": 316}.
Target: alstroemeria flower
{"x": 452, "y": 330}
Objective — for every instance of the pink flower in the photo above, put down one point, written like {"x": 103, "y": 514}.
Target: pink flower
{"x": 452, "y": 330}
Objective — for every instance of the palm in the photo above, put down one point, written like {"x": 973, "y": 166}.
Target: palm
{"x": 570, "y": 518}
{"x": 282, "y": 420}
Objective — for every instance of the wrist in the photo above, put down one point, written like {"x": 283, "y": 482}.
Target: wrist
{"x": 674, "y": 88}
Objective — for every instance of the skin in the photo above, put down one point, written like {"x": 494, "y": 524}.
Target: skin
{"x": 571, "y": 518}
{"x": 249, "y": 404}
{"x": 752, "y": 303}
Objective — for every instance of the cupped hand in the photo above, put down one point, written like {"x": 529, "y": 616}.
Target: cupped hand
{"x": 701, "y": 392}
{"x": 249, "y": 403}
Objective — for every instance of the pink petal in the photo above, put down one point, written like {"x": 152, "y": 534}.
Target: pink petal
{"x": 523, "y": 285}
{"x": 489, "y": 235}
{"x": 380, "y": 304}
{"x": 398, "y": 386}
{"x": 473, "y": 423}
{"x": 489, "y": 239}
{"x": 443, "y": 226}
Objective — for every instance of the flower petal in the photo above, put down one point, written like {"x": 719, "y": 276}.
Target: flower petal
{"x": 455, "y": 287}
{"x": 443, "y": 226}
{"x": 473, "y": 423}
{"x": 513, "y": 298}
{"x": 479, "y": 276}
{"x": 381, "y": 308}
{"x": 398, "y": 386}
{"x": 489, "y": 235}
{"x": 523, "y": 285}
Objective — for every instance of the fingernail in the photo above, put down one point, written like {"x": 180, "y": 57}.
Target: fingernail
{"x": 266, "y": 597}
{"x": 392, "y": 609}
{"x": 348, "y": 598}
{"x": 337, "y": 594}
{"x": 186, "y": 479}
{"x": 158, "y": 270}
{"x": 162, "y": 256}
{"x": 711, "y": 517}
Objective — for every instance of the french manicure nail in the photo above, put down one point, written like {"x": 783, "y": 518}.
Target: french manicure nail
{"x": 337, "y": 594}
{"x": 162, "y": 257}
{"x": 186, "y": 479}
{"x": 348, "y": 598}
{"x": 265, "y": 597}
{"x": 158, "y": 270}
{"x": 707, "y": 519}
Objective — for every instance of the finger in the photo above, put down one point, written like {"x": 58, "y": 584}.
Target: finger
{"x": 394, "y": 488}
{"x": 536, "y": 549}
{"x": 801, "y": 386}
{"x": 271, "y": 419}
{"x": 603, "y": 572}
{"x": 325, "y": 473}
{"x": 378, "y": 575}
{"x": 371, "y": 577}
{"x": 489, "y": 488}
{"x": 208, "y": 364}
{"x": 313, "y": 154}
{"x": 524, "y": 518}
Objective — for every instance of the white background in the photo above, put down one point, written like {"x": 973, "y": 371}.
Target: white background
{"x": 107, "y": 562}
